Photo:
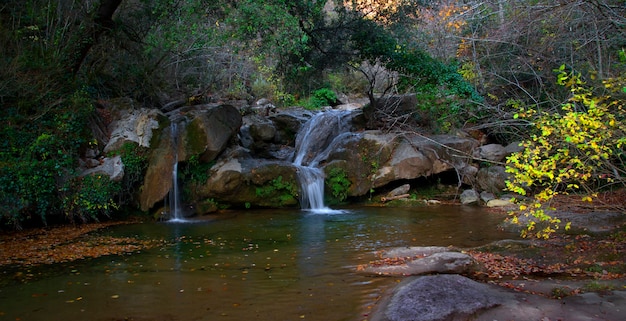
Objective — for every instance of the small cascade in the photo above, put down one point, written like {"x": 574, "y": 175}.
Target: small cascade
{"x": 176, "y": 213}
{"x": 312, "y": 143}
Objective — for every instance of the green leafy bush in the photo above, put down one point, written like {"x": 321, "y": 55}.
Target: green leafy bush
{"x": 91, "y": 197}
{"x": 339, "y": 183}
{"x": 38, "y": 161}
{"x": 282, "y": 191}
{"x": 322, "y": 97}
{"x": 135, "y": 160}
{"x": 442, "y": 92}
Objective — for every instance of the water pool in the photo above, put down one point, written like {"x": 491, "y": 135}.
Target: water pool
{"x": 248, "y": 265}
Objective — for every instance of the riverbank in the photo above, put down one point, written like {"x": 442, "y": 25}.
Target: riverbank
{"x": 58, "y": 244}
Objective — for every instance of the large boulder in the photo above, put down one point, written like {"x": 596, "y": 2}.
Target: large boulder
{"x": 244, "y": 181}
{"x": 288, "y": 123}
{"x": 202, "y": 130}
{"x": 257, "y": 134}
{"x": 469, "y": 196}
{"x": 273, "y": 137}
{"x": 492, "y": 179}
{"x": 208, "y": 132}
{"x": 373, "y": 159}
{"x": 134, "y": 125}
{"x": 422, "y": 260}
{"x": 440, "y": 297}
{"x": 491, "y": 152}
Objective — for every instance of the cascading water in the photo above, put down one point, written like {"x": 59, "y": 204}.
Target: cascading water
{"x": 312, "y": 143}
{"x": 176, "y": 214}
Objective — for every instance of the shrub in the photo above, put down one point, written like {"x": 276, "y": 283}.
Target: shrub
{"x": 135, "y": 159}
{"x": 339, "y": 183}
{"x": 91, "y": 196}
{"x": 581, "y": 148}
{"x": 278, "y": 190}
{"x": 322, "y": 97}
{"x": 38, "y": 161}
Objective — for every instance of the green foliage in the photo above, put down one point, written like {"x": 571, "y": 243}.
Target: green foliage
{"x": 135, "y": 160}
{"x": 347, "y": 81}
{"x": 196, "y": 171}
{"x": 322, "y": 97}
{"x": 37, "y": 161}
{"x": 281, "y": 191}
{"x": 441, "y": 90}
{"x": 91, "y": 197}
{"x": 580, "y": 148}
{"x": 339, "y": 183}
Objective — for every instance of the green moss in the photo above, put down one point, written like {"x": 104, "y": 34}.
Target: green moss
{"x": 135, "y": 160}
{"x": 338, "y": 183}
{"x": 595, "y": 286}
{"x": 164, "y": 122}
{"x": 195, "y": 137}
{"x": 278, "y": 191}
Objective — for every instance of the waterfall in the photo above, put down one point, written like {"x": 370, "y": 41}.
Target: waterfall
{"x": 176, "y": 214}
{"x": 312, "y": 144}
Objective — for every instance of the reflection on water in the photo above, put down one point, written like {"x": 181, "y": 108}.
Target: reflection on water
{"x": 263, "y": 265}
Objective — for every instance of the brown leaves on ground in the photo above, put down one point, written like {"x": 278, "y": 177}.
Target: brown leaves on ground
{"x": 609, "y": 200}
{"x": 63, "y": 244}
{"x": 582, "y": 256}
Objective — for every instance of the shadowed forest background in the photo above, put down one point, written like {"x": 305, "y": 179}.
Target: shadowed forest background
{"x": 540, "y": 72}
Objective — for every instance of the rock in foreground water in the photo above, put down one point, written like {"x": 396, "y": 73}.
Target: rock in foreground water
{"x": 440, "y": 297}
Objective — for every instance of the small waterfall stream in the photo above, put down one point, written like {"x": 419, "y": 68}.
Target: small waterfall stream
{"x": 176, "y": 214}
{"x": 312, "y": 143}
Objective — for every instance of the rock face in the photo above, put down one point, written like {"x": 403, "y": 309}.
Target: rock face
{"x": 370, "y": 160}
{"x": 373, "y": 159}
{"x": 134, "y": 125}
{"x": 158, "y": 179}
{"x": 111, "y": 166}
{"x": 440, "y": 297}
{"x": 262, "y": 146}
{"x": 207, "y": 133}
{"x": 492, "y": 179}
{"x": 244, "y": 181}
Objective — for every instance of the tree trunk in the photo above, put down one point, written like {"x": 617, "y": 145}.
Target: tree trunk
{"x": 89, "y": 34}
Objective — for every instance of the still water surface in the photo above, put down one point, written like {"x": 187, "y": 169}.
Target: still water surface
{"x": 249, "y": 265}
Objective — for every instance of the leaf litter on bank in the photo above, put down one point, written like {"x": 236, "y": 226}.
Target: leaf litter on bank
{"x": 64, "y": 244}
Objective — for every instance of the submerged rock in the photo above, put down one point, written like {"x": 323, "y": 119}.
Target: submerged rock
{"x": 422, "y": 260}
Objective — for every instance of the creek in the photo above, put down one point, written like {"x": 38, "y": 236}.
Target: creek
{"x": 244, "y": 265}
